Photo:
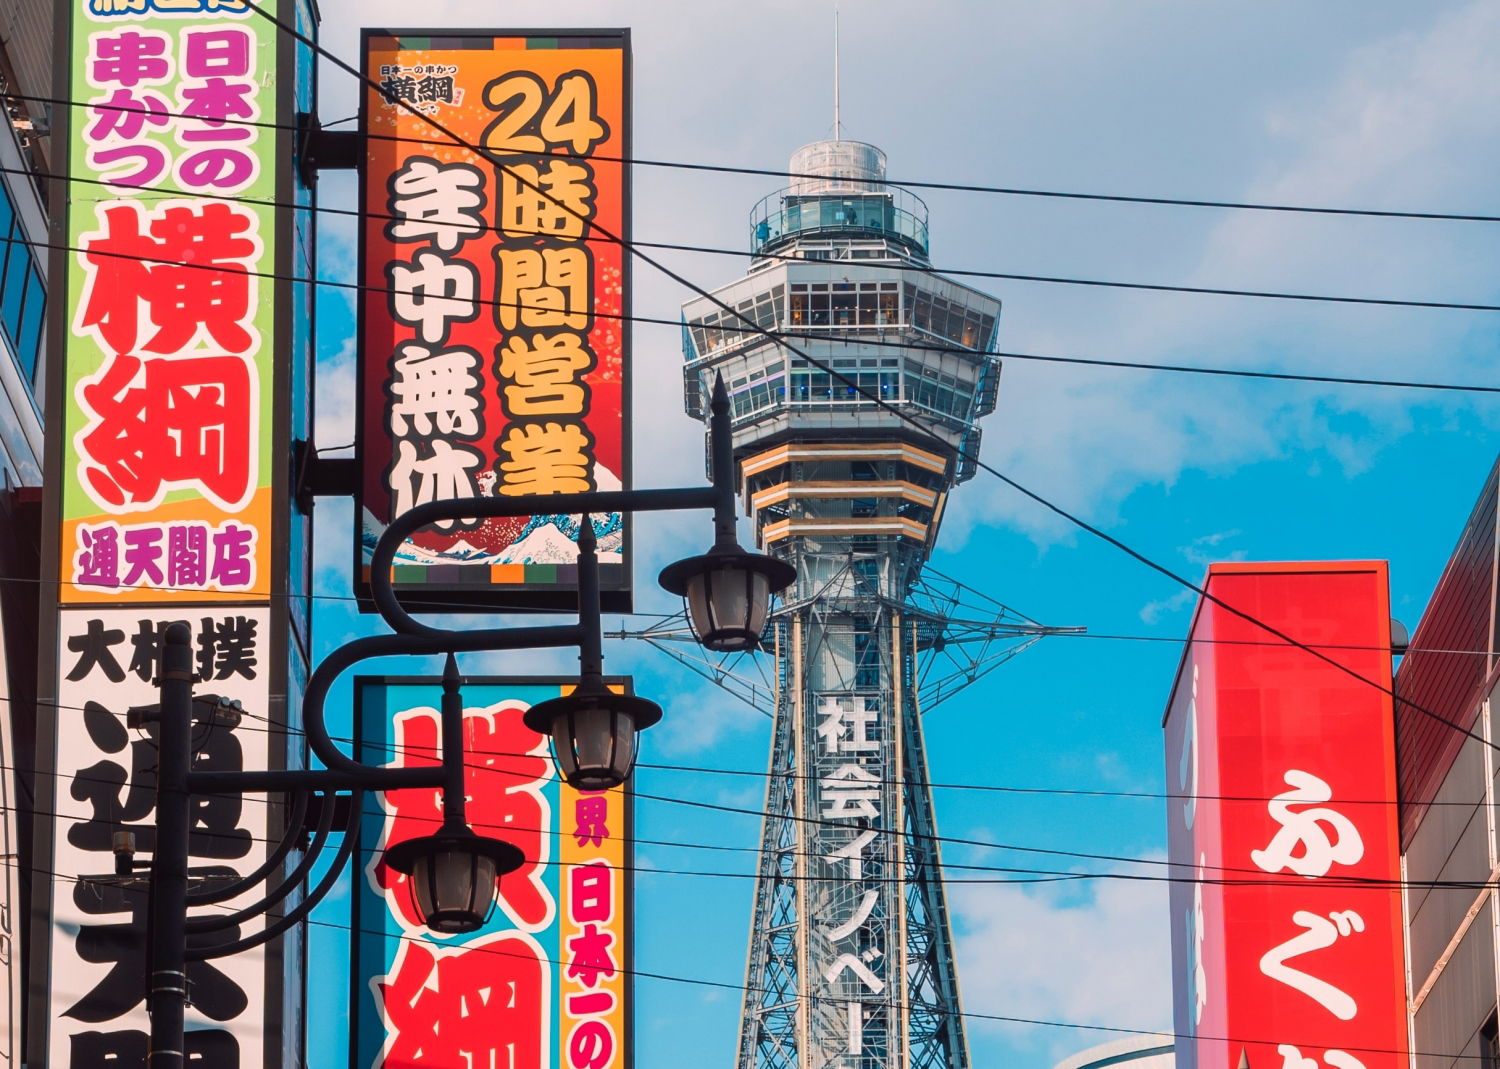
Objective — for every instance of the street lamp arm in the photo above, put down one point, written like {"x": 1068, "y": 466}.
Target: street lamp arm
{"x": 214, "y": 922}
{"x": 302, "y": 910}
{"x": 361, "y": 649}
{"x": 382, "y": 590}
{"x": 293, "y": 832}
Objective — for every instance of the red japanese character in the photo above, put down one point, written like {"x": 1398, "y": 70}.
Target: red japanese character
{"x": 159, "y": 425}
{"x": 591, "y": 892}
{"x": 189, "y": 264}
{"x": 507, "y": 768}
{"x": 589, "y": 956}
{"x": 591, "y": 1045}
{"x": 486, "y": 1003}
{"x": 130, "y": 57}
{"x": 591, "y": 811}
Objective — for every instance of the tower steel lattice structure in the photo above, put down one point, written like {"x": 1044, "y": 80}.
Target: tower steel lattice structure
{"x": 851, "y": 962}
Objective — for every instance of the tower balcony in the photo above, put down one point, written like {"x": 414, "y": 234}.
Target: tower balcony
{"x": 785, "y": 217}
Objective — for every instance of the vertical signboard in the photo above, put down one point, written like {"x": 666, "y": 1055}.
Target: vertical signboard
{"x": 166, "y": 431}
{"x": 493, "y": 343}
{"x": 853, "y": 812}
{"x": 545, "y": 983}
{"x": 107, "y": 783}
{"x": 1286, "y": 926}
{"x": 167, "y": 452}
{"x": 10, "y": 854}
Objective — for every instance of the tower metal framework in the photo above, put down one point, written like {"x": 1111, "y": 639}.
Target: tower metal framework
{"x": 851, "y": 962}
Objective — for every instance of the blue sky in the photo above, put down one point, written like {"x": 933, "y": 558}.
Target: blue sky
{"x": 1385, "y": 105}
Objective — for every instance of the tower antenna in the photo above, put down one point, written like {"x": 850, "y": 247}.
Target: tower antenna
{"x": 836, "y": 123}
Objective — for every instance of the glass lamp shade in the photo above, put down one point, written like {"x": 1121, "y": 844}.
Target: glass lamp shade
{"x": 728, "y": 595}
{"x": 452, "y": 876}
{"x": 593, "y": 733}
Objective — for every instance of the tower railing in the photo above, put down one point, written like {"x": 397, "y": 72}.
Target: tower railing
{"x": 893, "y": 213}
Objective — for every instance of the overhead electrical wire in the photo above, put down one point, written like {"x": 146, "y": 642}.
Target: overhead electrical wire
{"x": 626, "y": 970}
{"x": 1037, "y": 498}
{"x": 958, "y": 187}
{"x": 904, "y": 417}
{"x": 900, "y": 266}
{"x": 272, "y": 728}
{"x": 417, "y": 602}
{"x": 806, "y": 335}
{"x": 1235, "y": 875}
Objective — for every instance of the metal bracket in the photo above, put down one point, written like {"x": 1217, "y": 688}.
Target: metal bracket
{"x": 325, "y": 150}
{"x": 341, "y": 814}
{"x": 316, "y": 476}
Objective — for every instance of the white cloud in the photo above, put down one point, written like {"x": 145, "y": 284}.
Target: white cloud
{"x": 335, "y": 403}
{"x": 1401, "y": 123}
{"x": 700, "y": 718}
{"x": 1046, "y": 954}
{"x": 1205, "y": 549}
{"x": 1153, "y": 611}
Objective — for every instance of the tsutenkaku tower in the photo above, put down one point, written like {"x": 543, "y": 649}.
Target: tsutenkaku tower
{"x": 851, "y": 952}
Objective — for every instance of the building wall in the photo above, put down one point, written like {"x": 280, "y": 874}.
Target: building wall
{"x": 26, "y": 46}
{"x": 1454, "y": 657}
{"x": 1448, "y": 794}
{"x": 25, "y": 41}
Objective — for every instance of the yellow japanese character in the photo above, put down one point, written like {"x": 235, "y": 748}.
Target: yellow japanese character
{"x": 543, "y": 371}
{"x": 545, "y": 458}
{"x": 543, "y": 287}
{"x": 554, "y": 203}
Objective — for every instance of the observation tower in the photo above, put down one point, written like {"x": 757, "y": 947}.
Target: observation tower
{"x": 851, "y": 952}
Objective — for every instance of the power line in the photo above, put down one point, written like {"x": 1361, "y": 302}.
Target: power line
{"x": 904, "y": 417}
{"x": 272, "y": 728}
{"x": 900, "y": 266}
{"x": 743, "y": 988}
{"x": 408, "y": 599}
{"x": 785, "y": 338}
{"x": 1256, "y": 876}
{"x": 1242, "y": 876}
{"x": 712, "y": 168}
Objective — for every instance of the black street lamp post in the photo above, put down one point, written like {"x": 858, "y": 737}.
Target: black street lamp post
{"x": 452, "y": 872}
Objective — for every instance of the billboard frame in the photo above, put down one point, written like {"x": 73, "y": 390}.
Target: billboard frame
{"x": 278, "y": 147}
{"x": 1281, "y": 769}
{"x": 616, "y": 595}
{"x": 358, "y": 930}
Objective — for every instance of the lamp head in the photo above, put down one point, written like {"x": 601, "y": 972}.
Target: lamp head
{"x": 452, "y": 874}
{"x": 728, "y": 594}
{"x": 593, "y": 732}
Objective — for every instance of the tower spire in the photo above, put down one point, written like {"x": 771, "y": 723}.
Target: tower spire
{"x": 836, "y": 123}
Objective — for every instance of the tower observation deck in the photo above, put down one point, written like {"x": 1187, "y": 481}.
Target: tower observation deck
{"x": 851, "y": 953}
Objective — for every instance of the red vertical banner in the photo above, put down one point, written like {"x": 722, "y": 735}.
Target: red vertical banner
{"x": 493, "y": 340}
{"x": 546, "y": 982}
{"x": 1286, "y": 920}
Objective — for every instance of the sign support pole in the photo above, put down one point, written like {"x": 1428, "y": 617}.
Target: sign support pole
{"x": 168, "y": 986}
